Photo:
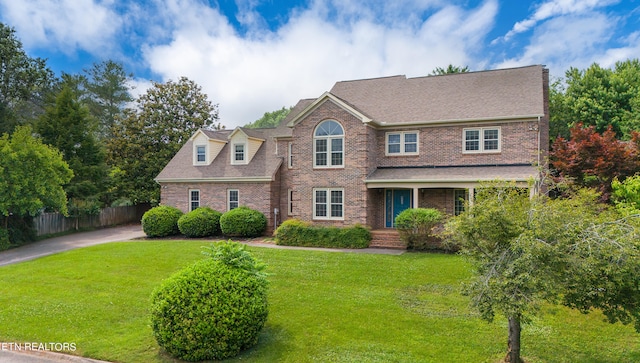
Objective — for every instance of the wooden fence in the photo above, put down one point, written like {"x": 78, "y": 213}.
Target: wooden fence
{"x": 50, "y": 223}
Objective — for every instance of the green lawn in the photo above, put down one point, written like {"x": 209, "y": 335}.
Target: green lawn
{"x": 324, "y": 307}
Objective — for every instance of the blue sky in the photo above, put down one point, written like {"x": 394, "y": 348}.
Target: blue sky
{"x": 253, "y": 56}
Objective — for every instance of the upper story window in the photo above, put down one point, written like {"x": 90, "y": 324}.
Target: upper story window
{"x": 328, "y": 145}
{"x": 239, "y": 154}
{"x": 481, "y": 140}
{"x": 290, "y": 153}
{"x": 402, "y": 143}
{"x": 200, "y": 154}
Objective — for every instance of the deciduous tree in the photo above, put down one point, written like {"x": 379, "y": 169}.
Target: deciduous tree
{"x": 23, "y": 82}
{"x": 270, "y": 119}
{"x": 593, "y": 160}
{"x": 147, "y": 137}
{"x": 602, "y": 97}
{"x": 526, "y": 251}
{"x": 31, "y": 175}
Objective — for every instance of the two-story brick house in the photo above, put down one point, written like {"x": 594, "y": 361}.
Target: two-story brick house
{"x": 368, "y": 149}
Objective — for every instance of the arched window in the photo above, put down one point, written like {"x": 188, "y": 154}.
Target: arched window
{"x": 328, "y": 145}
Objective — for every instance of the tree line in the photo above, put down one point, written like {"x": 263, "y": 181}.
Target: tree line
{"x": 80, "y": 142}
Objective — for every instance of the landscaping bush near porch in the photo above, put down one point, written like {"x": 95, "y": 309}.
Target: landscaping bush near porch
{"x": 416, "y": 228}
{"x": 294, "y": 232}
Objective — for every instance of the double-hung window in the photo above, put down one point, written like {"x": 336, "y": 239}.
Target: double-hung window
{"x": 194, "y": 199}
{"x": 239, "y": 154}
{"x": 402, "y": 143}
{"x": 328, "y": 145}
{"x": 328, "y": 203}
{"x": 481, "y": 140}
{"x": 233, "y": 199}
{"x": 201, "y": 154}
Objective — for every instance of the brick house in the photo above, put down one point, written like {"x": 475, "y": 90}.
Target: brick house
{"x": 368, "y": 149}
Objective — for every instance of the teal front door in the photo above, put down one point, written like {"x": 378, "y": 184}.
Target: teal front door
{"x": 396, "y": 201}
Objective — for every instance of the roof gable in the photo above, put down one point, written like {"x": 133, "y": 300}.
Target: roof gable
{"x": 328, "y": 97}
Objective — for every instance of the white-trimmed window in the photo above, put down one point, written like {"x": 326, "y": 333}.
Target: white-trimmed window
{"x": 200, "y": 156}
{"x": 194, "y": 199}
{"x": 328, "y": 203}
{"x": 233, "y": 199}
{"x": 481, "y": 140}
{"x": 402, "y": 143}
{"x": 328, "y": 145}
{"x": 290, "y": 149}
{"x": 460, "y": 197}
{"x": 238, "y": 155}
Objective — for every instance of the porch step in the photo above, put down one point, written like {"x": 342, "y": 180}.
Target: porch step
{"x": 386, "y": 238}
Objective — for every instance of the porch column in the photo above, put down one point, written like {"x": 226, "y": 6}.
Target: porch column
{"x": 416, "y": 197}
{"x": 472, "y": 193}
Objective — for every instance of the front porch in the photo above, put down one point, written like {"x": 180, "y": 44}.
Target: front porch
{"x": 395, "y": 189}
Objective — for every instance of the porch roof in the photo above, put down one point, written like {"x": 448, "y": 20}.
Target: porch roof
{"x": 440, "y": 176}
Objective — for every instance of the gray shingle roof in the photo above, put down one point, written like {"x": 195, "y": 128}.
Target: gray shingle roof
{"x": 263, "y": 165}
{"x": 514, "y": 92}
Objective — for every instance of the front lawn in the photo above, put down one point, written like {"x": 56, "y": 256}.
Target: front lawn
{"x": 324, "y": 307}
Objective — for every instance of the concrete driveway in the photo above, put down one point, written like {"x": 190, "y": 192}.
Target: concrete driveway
{"x": 69, "y": 242}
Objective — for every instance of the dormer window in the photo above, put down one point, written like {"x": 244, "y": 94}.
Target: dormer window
{"x": 239, "y": 154}
{"x": 201, "y": 154}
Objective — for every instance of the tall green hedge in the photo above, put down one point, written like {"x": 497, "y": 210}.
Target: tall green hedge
{"x": 294, "y": 232}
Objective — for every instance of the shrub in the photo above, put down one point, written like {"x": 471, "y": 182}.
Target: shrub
{"x": 416, "y": 225}
{"x": 200, "y": 222}
{"x": 294, "y": 232}
{"x": 4, "y": 239}
{"x": 161, "y": 221}
{"x": 243, "y": 222}
{"x": 213, "y": 309}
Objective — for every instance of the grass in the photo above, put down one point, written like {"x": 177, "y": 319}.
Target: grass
{"x": 324, "y": 307}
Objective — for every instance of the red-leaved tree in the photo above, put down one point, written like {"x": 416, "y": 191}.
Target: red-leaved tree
{"x": 592, "y": 160}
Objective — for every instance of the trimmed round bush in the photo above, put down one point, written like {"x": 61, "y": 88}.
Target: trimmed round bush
{"x": 213, "y": 309}
{"x": 415, "y": 226}
{"x": 243, "y": 222}
{"x": 161, "y": 221}
{"x": 200, "y": 222}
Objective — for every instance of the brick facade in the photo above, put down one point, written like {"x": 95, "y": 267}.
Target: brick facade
{"x": 523, "y": 141}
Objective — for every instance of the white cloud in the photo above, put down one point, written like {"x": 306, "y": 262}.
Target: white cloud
{"x": 63, "y": 25}
{"x": 325, "y": 43}
{"x": 563, "y": 42}
{"x": 554, "y": 8}
{"x": 631, "y": 50}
